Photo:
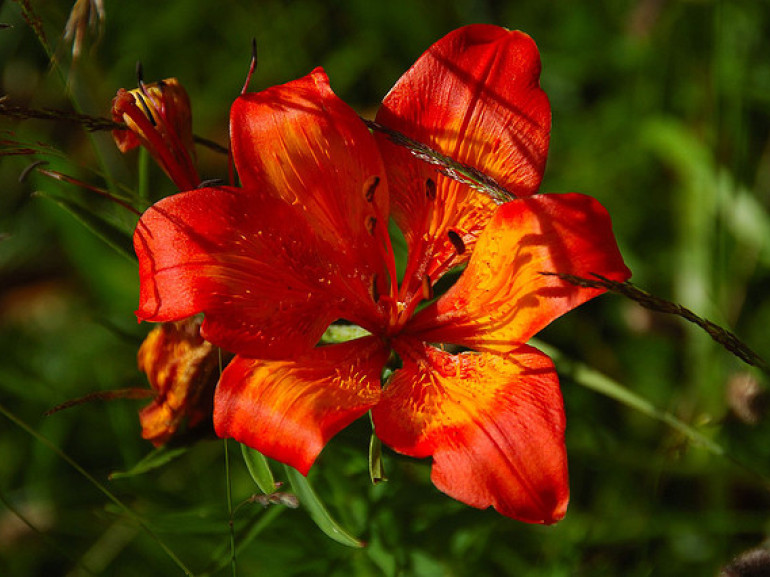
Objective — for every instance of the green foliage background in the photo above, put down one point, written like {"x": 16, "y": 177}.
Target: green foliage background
{"x": 661, "y": 109}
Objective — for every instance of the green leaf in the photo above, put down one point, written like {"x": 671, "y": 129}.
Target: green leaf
{"x": 376, "y": 467}
{"x": 159, "y": 457}
{"x": 317, "y": 511}
{"x": 259, "y": 469}
{"x": 118, "y": 239}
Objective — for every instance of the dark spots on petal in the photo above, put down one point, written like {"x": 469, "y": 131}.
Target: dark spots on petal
{"x": 430, "y": 189}
{"x": 456, "y": 241}
{"x": 370, "y": 186}
{"x": 371, "y": 223}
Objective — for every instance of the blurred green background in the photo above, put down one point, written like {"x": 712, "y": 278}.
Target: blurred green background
{"x": 661, "y": 109}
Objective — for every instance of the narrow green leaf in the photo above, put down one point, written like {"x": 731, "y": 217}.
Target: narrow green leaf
{"x": 376, "y": 466}
{"x": 159, "y": 457}
{"x": 259, "y": 469}
{"x": 118, "y": 239}
{"x": 600, "y": 383}
{"x": 317, "y": 511}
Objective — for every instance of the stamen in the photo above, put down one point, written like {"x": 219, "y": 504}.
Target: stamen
{"x": 370, "y": 186}
{"x": 456, "y": 241}
{"x": 139, "y": 74}
{"x": 252, "y": 66}
{"x": 147, "y": 111}
{"x": 427, "y": 288}
{"x": 25, "y": 173}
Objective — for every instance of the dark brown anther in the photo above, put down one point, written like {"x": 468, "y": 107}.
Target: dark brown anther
{"x": 371, "y": 185}
{"x": 371, "y": 222}
{"x": 456, "y": 241}
{"x": 427, "y": 288}
{"x": 430, "y": 189}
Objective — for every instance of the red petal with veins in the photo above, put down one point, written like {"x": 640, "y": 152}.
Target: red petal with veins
{"x": 267, "y": 285}
{"x": 303, "y": 144}
{"x": 494, "y": 425}
{"x": 288, "y": 410}
{"x": 474, "y": 96}
{"x": 502, "y": 299}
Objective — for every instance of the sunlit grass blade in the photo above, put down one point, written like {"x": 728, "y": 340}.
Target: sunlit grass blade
{"x": 116, "y": 238}
{"x": 154, "y": 460}
{"x": 259, "y": 469}
{"x": 317, "y": 510}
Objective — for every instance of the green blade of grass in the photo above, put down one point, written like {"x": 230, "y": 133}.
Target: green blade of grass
{"x": 151, "y": 461}
{"x": 317, "y": 510}
{"x": 116, "y": 238}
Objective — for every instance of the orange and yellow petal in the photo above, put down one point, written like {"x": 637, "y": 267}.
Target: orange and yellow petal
{"x": 301, "y": 143}
{"x": 494, "y": 425}
{"x": 474, "y": 96}
{"x": 502, "y": 298}
{"x": 289, "y": 410}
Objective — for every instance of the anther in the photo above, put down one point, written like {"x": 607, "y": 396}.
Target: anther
{"x": 146, "y": 108}
{"x": 456, "y": 241}
{"x": 370, "y": 186}
{"x": 427, "y": 288}
{"x": 430, "y": 189}
{"x": 371, "y": 222}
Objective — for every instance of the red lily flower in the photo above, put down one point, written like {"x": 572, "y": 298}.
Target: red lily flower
{"x": 304, "y": 242}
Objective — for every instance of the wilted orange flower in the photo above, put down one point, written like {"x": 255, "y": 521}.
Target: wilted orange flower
{"x": 183, "y": 369}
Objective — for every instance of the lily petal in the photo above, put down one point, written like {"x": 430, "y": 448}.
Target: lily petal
{"x": 301, "y": 143}
{"x": 475, "y": 97}
{"x": 502, "y": 298}
{"x": 288, "y": 410}
{"x": 267, "y": 284}
{"x": 494, "y": 425}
